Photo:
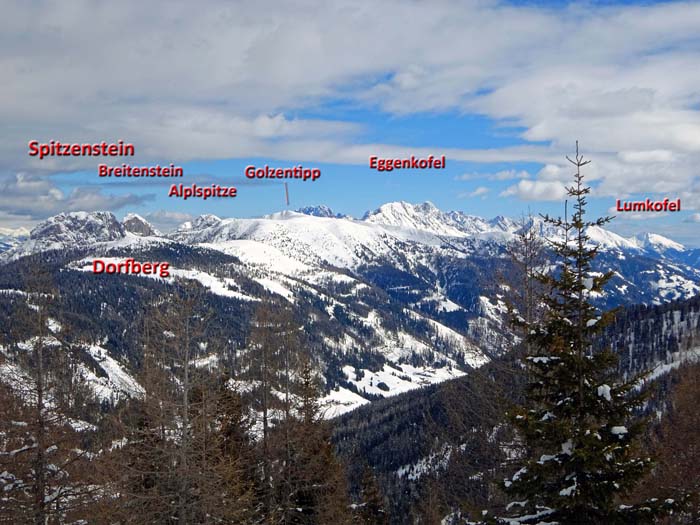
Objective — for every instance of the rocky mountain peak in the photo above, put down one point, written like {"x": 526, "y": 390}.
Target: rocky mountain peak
{"x": 205, "y": 221}
{"x": 134, "y": 223}
{"x": 79, "y": 227}
{"x": 318, "y": 211}
{"x": 659, "y": 243}
{"x": 70, "y": 230}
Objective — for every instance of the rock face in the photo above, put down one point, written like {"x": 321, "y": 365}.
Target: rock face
{"x": 137, "y": 225}
{"x": 428, "y": 218}
{"x": 79, "y": 227}
{"x": 319, "y": 211}
{"x": 69, "y": 230}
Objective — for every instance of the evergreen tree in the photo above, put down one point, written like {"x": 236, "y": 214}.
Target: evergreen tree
{"x": 314, "y": 488}
{"x": 371, "y": 510}
{"x": 222, "y": 460}
{"x": 578, "y": 424}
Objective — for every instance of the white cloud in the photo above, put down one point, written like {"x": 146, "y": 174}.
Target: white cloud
{"x": 695, "y": 217}
{"x": 31, "y": 197}
{"x": 182, "y": 82}
{"x": 643, "y": 157}
{"x": 166, "y": 220}
{"x": 537, "y": 190}
{"x": 554, "y": 172}
{"x": 690, "y": 198}
{"x": 509, "y": 175}
{"x": 499, "y": 175}
{"x": 478, "y": 192}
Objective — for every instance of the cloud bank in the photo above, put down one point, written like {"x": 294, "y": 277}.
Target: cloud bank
{"x": 234, "y": 81}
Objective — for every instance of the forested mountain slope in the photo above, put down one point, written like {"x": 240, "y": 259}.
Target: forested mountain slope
{"x": 451, "y": 439}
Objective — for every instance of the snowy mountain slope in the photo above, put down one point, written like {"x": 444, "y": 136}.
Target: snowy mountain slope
{"x": 312, "y": 240}
{"x": 414, "y": 239}
{"x": 454, "y": 225}
{"x": 608, "y": 240}
{"x": 432, "y": 437}
{"x": 109, "y": 379}
{"x": 9, "y": 237}
{"x": 405, "y": 297}
{"x": 425, "y": 217}
{"x": 75, "y": 229}
{"x": 417, "y": 239}
{"x": 115, "y": 381}
{"x": 407, "y": 238}
{"x": 137, "y": 225}
{"x": 320, "y": 236}
{"x": 659, "y": 244}
{"x": 340, "y": 329}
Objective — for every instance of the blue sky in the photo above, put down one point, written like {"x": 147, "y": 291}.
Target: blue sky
{"x": 502, "y": 89}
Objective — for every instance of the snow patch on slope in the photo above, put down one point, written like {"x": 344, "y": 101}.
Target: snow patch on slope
{"x": 118, "y": 383}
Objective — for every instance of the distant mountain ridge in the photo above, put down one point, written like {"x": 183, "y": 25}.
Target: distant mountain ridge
{"x": 408, "y": 296}
{"x": 403, "y": 235}
{"x": 11, "y": 237}
{"x": 320, "y": 211}
{"x": 87, "y": 227}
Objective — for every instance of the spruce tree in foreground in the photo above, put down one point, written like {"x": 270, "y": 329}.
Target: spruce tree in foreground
{"x": 371, "y": 510}
{"x": 578, "y": 424}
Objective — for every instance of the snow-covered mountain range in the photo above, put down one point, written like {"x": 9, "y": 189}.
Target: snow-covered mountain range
{"x": 406, "y": 296}
{"x": 10, "y": 238}
{"x": 378, "y": 231}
